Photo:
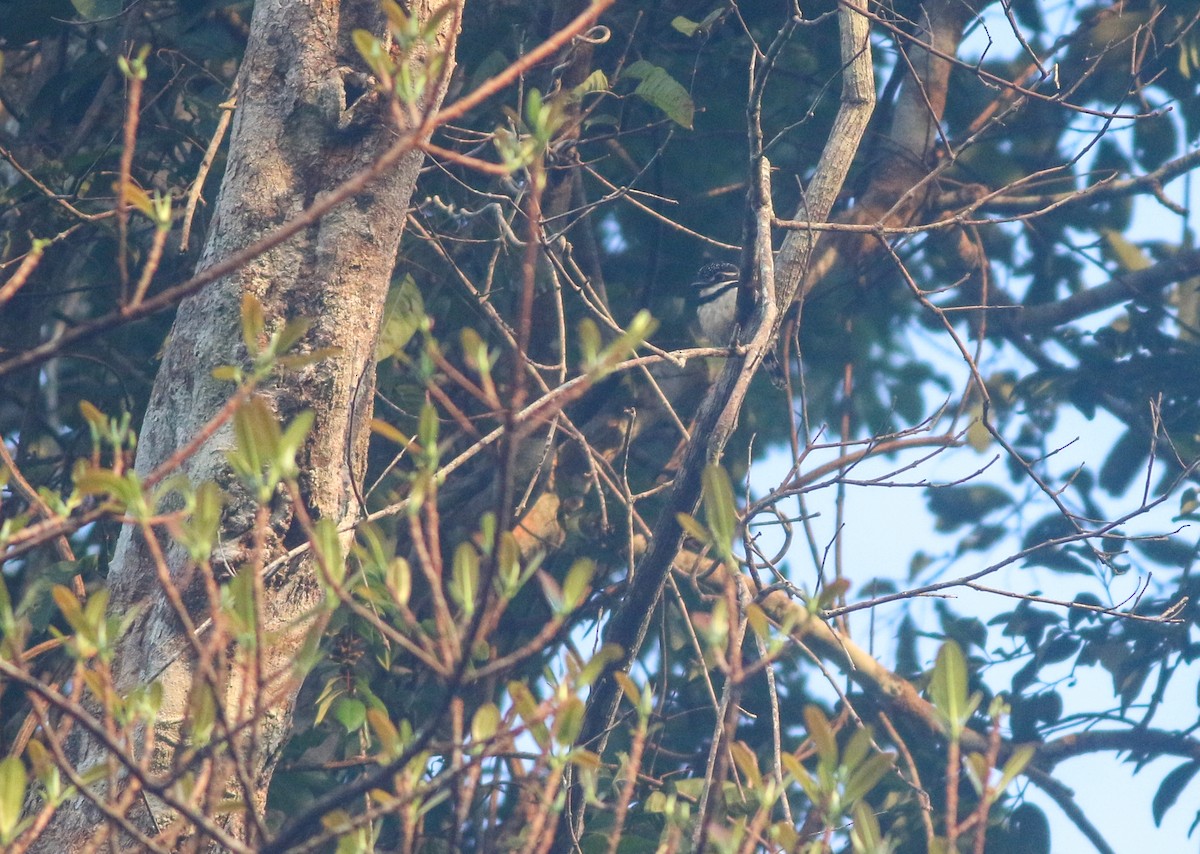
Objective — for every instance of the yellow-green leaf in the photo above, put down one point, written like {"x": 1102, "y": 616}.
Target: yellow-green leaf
{"x": 948, "y": 690}
{"x": 485, "y": 722}
{"x": 13, "y": 783}
{"x": 719, "y": 508}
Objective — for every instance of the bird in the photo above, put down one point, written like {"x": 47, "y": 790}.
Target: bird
{"x": 714, "y": 292}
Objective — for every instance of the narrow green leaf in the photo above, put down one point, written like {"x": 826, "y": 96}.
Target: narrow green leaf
{"x": 865, "y": 835}
{"x": 575, "y": 585}
{"x": 746, "y": 762}
{"x": 866, "y": 776}
{"x": 290, "y": 442}
{"x": 285, "y": 339}
{"x": 373, "y": 52}
{"x": 691, "y": 527}
{"x": 522, "y": 700}
{"x": 399, "y": 580}
{"x": 252, "y": 322}
{"x": 821, "y": 734}
{"x": 464, "y": 579}
{"x": 977, "y": 771}
{"x": 857, "y": 749}
{"x": 328, "y": 545}
{"x": 949, "y": 686}
{"x": 403, "y": 315}
{"x": 8, "y": 618}
{"x": 1016, "y": 763}
{"x": 427, "y": 429}
{"x": 71, "y": 610}
{"x": 257, "y": 437}
{"x": 719, "y": 508}
{"x": 13, "y": 783}
{"x": 607, "y": 654}
{"x": 569, "y": 721}
{"x": 202, "y": 715}
{"x": 386, "y": 732}
{"x": 589, "y": 344}
{"x": 95, "y": 417}
{"x": 1169, "y": 789}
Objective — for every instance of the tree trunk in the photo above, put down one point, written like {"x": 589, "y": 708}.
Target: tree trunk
{"x": 295, "y": 137}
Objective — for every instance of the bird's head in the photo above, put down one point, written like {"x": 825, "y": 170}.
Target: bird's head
{"x": 714, "y": 281}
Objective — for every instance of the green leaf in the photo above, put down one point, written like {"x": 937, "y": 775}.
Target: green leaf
{"x": 351, "y": 713}
{"x": 589, "y": 344}
{"x": 8, "y": 618}
{"x": 857, "y": 749}
{"x": 13, "y": 783}
{"x": 464, "y": 579}
{"x": 202, "y": 715}
{"x": 399, "y": 580}
{"x": 746, "y": 762}
{"x": 522, "y": 700}
{"x": 639, "y": 328}
{"x": 485, "y": 722}
{"x": 692, "y": 28}
{"x": 684, "y": 25}
{"x": 386, "y": 732}
{"x": 1169, "y": 789}
{"x": 1030, "y": 831}
{"x": 965, "y": 504}
{"x": 373, "y": 53}
{"x": 719, "y": 508}
{"x": 93, "y": 416}
{"x": 865, "y": 835}
{"x": 96, "y": 10}
{"x": 628, "y": 687}
{"x": 598, "y": 662}
{"x": 692, "y": 528}
{"x": 287, "y": 337}
{"x": 659, "y": 89}
{"x": 866, "y": 776}
{"x": 252, "y": 322}
{"x": 290, "y": 443}
{"x": 69, "y": 606}
{"x": 256, "y": 435}
{"x": 508, "y": 565}
{"x": 1016, "y": 763}
{"x": 949, "y": 687}
{"x": 328, "y": 545}
{"x": 595, "y": 82}
{"x": 198, "y": 533}
{"x": 977, "y": 771}
{"x": 569, "y": 721}
{"x": 403, "y": 315}
{"x": 821, "y": 734}
{"x": 1129, "y": 256}
{"x": 575, "y": 586}
{"x": 427, "y": 429}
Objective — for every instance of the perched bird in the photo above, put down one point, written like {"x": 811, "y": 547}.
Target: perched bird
{"x": 714, "y": 293}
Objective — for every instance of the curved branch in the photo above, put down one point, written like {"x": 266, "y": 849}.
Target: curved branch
{"x": 1119, "y": 289}
{"x": 1157, "y": 741}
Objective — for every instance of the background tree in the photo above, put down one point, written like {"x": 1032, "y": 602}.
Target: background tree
{"x": 452, "y": 563}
